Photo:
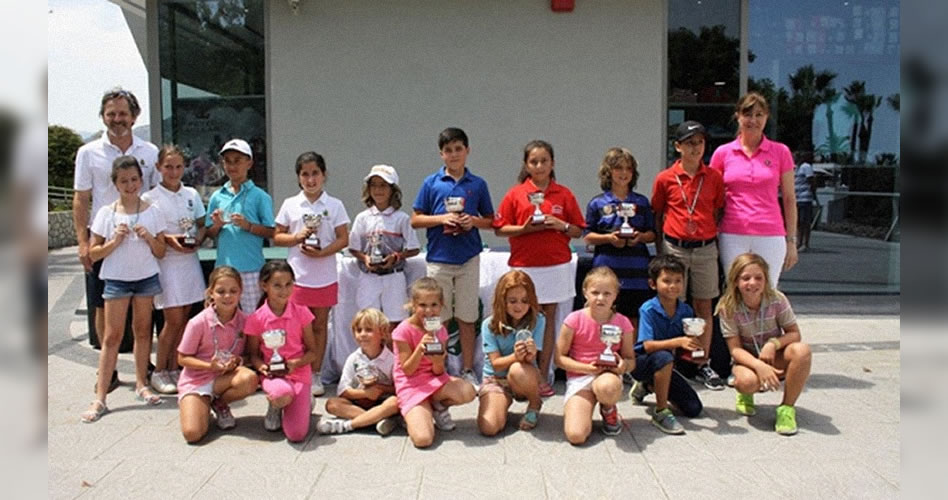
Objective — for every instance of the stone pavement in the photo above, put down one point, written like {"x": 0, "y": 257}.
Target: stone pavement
{"x": 848, "y": 445}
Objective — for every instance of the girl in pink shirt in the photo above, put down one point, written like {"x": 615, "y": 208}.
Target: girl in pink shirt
{"x": 590, "y": 378}
{"x": 286, "y": 382}
{"x": 210, "y": 354}
{"x": 754, "y": 167}
{"x": 423, "y": 388}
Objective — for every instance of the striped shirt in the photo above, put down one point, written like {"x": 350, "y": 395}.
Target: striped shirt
{"x": 770, "y": 321}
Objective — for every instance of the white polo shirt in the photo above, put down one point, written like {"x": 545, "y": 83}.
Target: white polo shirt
{"x": 313, "y": 272}
{"x": 132, "y": 260}
{"x": 173, "y": 206}
{"x": 94, "y": 168}
{"x": 393, "y": 226}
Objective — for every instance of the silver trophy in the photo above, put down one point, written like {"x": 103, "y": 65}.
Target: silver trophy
{"x": 312, "y": 222}
{"x": 626, "y": 211}
{"x": 694, "y": 327}
{"x": 375, "y": 250}
{"x": 366, "y": 375}
{"x": 454, "y": 205}
{"x": 523, "y": 335}
{"x": 222, "y": 356}
{"x": 432, "y": 325}
{"x": 187, "y": 240}
{"x": 609, "y": 335}
{"x": 536, "y": 199}
{"x": 274, "y": 340}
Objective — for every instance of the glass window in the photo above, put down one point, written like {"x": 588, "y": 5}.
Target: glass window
{"x": 211, "y": 57}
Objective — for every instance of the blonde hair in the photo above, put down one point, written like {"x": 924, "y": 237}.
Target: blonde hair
{"x": 601, "y": 273}
{"x": 731, "y": 298}
{"x": 425, "y": 284}
{"x": 507, "y": 282}
{"x": 373, "y": 319}
{"x": 218, "y": 274}
{"x": 615, "y": 158}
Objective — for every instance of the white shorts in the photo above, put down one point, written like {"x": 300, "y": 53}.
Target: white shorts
{"x": 388, "y": 293}
{"x": 554, "y": 284}
{"x": 773, "y": 249}
{"x": 576, "y": 384}
{"x": 201, "y": 390}
{"x": 182, "y": 281}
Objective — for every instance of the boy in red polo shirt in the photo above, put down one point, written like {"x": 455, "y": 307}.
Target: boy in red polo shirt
{"x": 687, "y": 199}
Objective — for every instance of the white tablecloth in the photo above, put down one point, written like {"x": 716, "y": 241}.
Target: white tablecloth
{"x": 341, "y": 342}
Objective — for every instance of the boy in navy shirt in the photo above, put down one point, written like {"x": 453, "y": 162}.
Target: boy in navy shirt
{"x": 660, "y": 333}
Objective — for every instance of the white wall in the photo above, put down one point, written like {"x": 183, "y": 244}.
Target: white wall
{"x": 364, "y": 82}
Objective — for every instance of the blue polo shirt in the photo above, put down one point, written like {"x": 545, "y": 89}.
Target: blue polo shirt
{"x": 629, "y": 263}
{"x": 449, "y": 248}
{"x": 235, "y": 247}
{"x": 654, "y": 324}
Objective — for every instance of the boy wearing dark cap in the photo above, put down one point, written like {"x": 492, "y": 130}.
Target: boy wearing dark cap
{"x": 687, "y": 199}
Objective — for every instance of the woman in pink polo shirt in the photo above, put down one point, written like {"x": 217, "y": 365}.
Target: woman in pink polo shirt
{"x": 754, "y": 168}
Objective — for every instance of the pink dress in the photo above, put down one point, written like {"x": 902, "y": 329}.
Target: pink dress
{"x": 199, "y": 341}
{"x": 586, "y": 345}
{"x": 414, "y": 389}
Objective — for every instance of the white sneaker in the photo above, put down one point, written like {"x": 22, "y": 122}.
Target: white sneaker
{"x": 225, "y": 419}
{"x": 332, "y": 426}
{"x": 274, "y": 418}
{"x": 161, "y": 382}
{"x": 175, "y": 375}
{"x": 469, "y": 377}
{"x": 443, "y": 420}
{"x": 386, "y": 426}
{"x": 317, "y": 385}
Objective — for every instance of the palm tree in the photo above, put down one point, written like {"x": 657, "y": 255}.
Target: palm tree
{"x": 865, "y": 105}
{"x": 809, "y": 89}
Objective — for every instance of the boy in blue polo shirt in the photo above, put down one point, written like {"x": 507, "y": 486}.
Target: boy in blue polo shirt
{"x": 660, "y": 333}
{"x": 452, "y": 205}
{"x": 241, "y": 218}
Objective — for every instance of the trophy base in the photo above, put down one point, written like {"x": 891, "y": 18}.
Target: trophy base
{"x": 605, "y": 361}
{"x": 537, "y": 221}
{"x": 187, "y": 241}
{"x": 434, "y": 348}
{"x": 277, "y": 369}
{"x": 627, "y": 234}
{"x": 368, "y": 381}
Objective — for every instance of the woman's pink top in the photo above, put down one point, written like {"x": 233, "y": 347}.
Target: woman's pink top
{"x": 198, "y": 341}
{"x": 413, "y": 389}
{"x": 751, "y": 185}
{"x": 292, "y": 321}
{"x": 586, "y": 345}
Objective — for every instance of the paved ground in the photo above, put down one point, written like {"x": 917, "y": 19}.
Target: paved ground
{"x": 848, "y": 445}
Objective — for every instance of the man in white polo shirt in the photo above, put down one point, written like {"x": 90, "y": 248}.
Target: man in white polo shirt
{"x": 93, "y": 184}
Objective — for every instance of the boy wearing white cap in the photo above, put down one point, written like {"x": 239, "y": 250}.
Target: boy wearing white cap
{"x": 381, "y": 239}
{"x": 241, "y": 218}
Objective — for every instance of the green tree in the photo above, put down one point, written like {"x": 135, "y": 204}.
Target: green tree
{"x": 808, "y": 89}
{"x": 63, "y": 144}
{"x": 865, "y": 105}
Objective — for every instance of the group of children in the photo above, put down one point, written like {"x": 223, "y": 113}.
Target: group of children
{"x": 149, "y": 244}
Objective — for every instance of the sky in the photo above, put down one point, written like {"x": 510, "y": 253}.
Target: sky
{"x": 90, "y": 50}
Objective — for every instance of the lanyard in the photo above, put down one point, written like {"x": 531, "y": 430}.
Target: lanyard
{"x": 758, "y": 322}
{"x": 684, "y": 197}
{"x": 138, "y": 212}
{"x": 217, "y": 323}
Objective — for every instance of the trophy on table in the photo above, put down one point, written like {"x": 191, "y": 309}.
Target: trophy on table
{"x": 432, "y": 325}
{"x": 609, "y": 335}
{"x": 454, "y": 205}
{"x": 366, "y": 375}
{"x": 536, "y": 199}
{"x": 312, "y": 222}
{"x": 187, "y": 240}
{"x": 274, "y": 340}
{"x": 375, "y": 250}
{"x": 626, "y": 211}
{"x": 694, "y": 327}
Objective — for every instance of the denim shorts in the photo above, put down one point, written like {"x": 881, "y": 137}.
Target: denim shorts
{"x": 117, "y": 289}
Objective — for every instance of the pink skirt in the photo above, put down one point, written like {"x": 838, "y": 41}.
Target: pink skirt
{"x": 326, "y": 296}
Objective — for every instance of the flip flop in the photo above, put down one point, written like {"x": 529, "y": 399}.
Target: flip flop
{"x": 95, "y": 413}
{"x": 529, "y": 420}
{"x": 145, "y": 395}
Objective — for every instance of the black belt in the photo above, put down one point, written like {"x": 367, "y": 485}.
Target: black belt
{"x": 690, "y": 244}
{"x": 383, "y": 272}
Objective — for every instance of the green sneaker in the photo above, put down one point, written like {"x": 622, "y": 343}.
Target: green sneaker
{"x": 638, "y": 392}
{"x": 745, "y": 404}
{"x": 786, "y": 420}
{"x": 666, "y": 422}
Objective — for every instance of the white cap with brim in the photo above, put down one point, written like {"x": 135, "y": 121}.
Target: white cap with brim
{"x": 238, "y": 145}
{"x": 386, "y": 172}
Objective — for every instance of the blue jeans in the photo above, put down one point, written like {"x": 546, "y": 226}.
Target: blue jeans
{"x": 680, "y": 392}
{"x": 117, "y": 289}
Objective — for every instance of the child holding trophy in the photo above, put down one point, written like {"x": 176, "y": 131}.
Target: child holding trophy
{"x": 764, "y": 338}
{"x": 381, "y": 239}
{"x": 210, "y": 353}
{"x": 596, "y": 346}
{"x": 314, "y": 226}
{"x": 540, "y": 217}
{"x": 182, "y": 280}
{"x": 424, "y": 389}
{"x": 619, "y": 223}
{"x": 366, "y": 392}
{"x": 666, "y": 324}
{"x": 282, "y": 348}
{"x": 512, "y": 335}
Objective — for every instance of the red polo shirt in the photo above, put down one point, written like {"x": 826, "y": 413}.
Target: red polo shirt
{"x": 542, "y": 248}
{"x": 667, "y": 201}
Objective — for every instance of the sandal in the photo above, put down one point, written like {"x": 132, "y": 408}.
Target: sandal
{"x": 94, "y": 413}
{"x": 529, "y": 420}
{"x": 145, "y": 395}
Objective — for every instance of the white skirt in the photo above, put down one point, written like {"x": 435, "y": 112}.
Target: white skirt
{"x": 182, "y": 281}
{"x": 554, "y": 284}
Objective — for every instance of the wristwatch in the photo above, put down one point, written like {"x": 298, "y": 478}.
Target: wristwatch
{"x": 791, "y": 239}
